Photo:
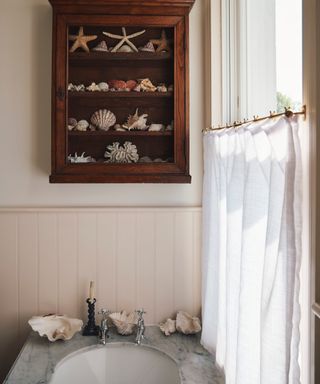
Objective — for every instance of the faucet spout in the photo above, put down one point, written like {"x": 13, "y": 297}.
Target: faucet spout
{"x": 103, "y": 334}
{"x": 140, "y": 326}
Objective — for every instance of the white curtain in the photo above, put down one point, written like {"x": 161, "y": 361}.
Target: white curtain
{"x": 252, "y": 251}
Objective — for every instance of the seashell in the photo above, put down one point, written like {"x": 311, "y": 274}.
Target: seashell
{"x": 79, "y": 88}
{"x": 93, "y": 87}
{"x": 125, "y": 323}
{"x": 168, "y": 327}
{"x": 81, "y": 159}
{"x": 125, "y": 48}
{"x": 147, "y": 86}
{"x": 55, "y": 327}
{"x": 117, "y": 84}
{"x": 92, "y": 128}
{"x": 169, "y": 127}
{"x": 162, "y": 88}
{"x": 104, "y": 87}
{"x": 101, "y": 47}
{"x": 71, "y": 87}
{"x": 103, "y": 119}
{"x": 149, "y": 47}
{"x": 137, "y": 88}
{"x": 118, "y": 127}
{"x": 136, "y": 122}
{"x": 158, "y": 160}
{"x": 72, "y": 122}
{"x": 82, "y": 126}
{"x": 145, "y": 159}
{"x": 127, "y": 153}
{"x": 187, "y": 324}
{"x": 156, "y": 127}
{"x": 131, "y": 84}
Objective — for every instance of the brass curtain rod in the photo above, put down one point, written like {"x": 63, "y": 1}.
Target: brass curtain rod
{"x": 288, "y": 113}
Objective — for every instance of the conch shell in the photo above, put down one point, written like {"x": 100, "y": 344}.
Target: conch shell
{"x": 125, "y": 323}
{"x": 187, "y": 324}
{"x": 168, "y": 327}
{"x": 136, "y": 122}
{"x": 55, "y": 327}
{"x": 103, "y": 119}
{"x": 147, "y": 86}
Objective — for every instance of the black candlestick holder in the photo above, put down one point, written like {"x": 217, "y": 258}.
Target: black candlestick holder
{"x": 91, "y": 329}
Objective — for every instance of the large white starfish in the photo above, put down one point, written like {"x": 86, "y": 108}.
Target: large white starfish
{"x": 124, "y": 39}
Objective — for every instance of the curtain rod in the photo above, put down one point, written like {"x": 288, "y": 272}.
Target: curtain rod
{"x": 288, "y": 113}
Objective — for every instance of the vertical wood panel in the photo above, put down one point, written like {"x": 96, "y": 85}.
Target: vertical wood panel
{"x": 28, "y": 269}
{"x": 87, "y": 257}
{"x": 197, "y": 262}
{"x": 146, "y": 264}
{"x": 126, "y": 261}
{"x": 67, "y": 264}
{"x": 106, "y": 260}
{"x": 164, "y": 285}
{"x": 8, "y": 292}
{"x": 183, "y": 261}
{"x": 48, "y": 263}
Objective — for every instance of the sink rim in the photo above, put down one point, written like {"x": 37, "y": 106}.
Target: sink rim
{"x": 117, "y": 344}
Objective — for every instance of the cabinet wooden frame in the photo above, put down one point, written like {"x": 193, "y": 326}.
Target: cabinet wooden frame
{"x": 135, "y": 14}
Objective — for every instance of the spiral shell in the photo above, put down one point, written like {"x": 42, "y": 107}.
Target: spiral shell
{"x": 103, "y": 119}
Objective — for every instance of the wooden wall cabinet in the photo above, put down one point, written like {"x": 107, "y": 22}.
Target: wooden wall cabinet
{"x": 80, "y": 67}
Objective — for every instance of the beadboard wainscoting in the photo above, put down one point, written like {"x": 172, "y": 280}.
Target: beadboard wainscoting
{"x": 138, "y": 258}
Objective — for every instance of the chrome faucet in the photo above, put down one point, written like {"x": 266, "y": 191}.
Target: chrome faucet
{"x": 103, "y": 334}
{"x": 140, "y": 326}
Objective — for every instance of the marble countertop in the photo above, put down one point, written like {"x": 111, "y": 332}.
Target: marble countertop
{"x": 38, "y": 358}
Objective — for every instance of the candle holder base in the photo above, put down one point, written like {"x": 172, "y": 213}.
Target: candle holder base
{"x": 91, "y": 329}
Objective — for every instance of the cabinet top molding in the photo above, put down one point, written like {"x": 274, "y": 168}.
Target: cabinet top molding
{"x": 187, "y": 4}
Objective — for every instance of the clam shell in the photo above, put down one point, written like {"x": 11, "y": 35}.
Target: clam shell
{"x": 149, "y": 47}
{"x": 125, "y": 323}
{"x": 125, "y": 48}
{"x": 168, "y": 327}
{"x": 187, "y": 324}
{"x": 101, "y": 47}
{"x": 103, "y": 119}
{"x": 55, "y": 327}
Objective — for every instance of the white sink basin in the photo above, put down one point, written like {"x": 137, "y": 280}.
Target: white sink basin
{"x": 118, "y": 363}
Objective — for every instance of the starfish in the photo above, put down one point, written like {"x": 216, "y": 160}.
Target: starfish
{"x": 81, "y": 41}
{"x": 162, "y": 43}
{"x": 124, "y": 39}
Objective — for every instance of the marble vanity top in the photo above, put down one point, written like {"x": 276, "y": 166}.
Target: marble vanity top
{"x": 38, "y": 358}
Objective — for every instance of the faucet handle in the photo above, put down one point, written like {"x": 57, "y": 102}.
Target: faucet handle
{"x": 104, "y": 312}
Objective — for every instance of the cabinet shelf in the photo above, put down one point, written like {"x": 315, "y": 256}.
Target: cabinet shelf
{"x": 100, "y": 134}
{"x": 95, "y": 57}
{"x": 119, "y": 94}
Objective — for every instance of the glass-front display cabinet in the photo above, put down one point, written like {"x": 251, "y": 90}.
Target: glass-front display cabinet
{"x": 120, "y": 93}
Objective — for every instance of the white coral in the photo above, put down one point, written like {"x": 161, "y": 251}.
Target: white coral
{"x": 127, "y": 153}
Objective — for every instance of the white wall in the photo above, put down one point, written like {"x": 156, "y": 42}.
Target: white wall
{"x": 25, "y": 89}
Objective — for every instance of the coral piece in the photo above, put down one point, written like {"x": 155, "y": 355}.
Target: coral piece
{"x": 136, "y": 122}
{"x": 101, "y": 47}
{"x": 124, "y": 39}
{"x": 82, "y": 126}
{"x": 168, "y": 327}
{"x": 81, "y": 41}
{"x": 162, "y": 43}
{"x": 81, "y": 159}
{"x": 103, "y": 119}
{"x": 125, "y": 323}
{"x": 187, "y": 324}
{"x": 104, "y": 87}
{"x": 147, "y": 86}
{"x": 93, "y": 87}
{"x": 149, "y": 47}
{"x": 156, "y": 127}
{"x": 127, "y": 153}
{"x": 55, "y": 327}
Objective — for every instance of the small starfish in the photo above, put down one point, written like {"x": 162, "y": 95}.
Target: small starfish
{"x": 162, "y": 43}
{"x": 81, "y": 41}
{"x": 124, "y": 39}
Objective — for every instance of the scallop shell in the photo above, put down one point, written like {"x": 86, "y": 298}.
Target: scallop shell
{"x": 103, "y": 119}
{"x": 82, "y": 126}
{"x": 136, "y": 122}
{"x": 125, "y": 323}
{"x": 104, "y": 87}
{"x": 101, "y": 47}
{"x": 149, "y": 47}
{"x": 168, "y": 327}
{"x": 147, "y": 86}
{"x": 187, "y": 324}
{"x": 55, "y": 327}
{"x": 127, "y": 153}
